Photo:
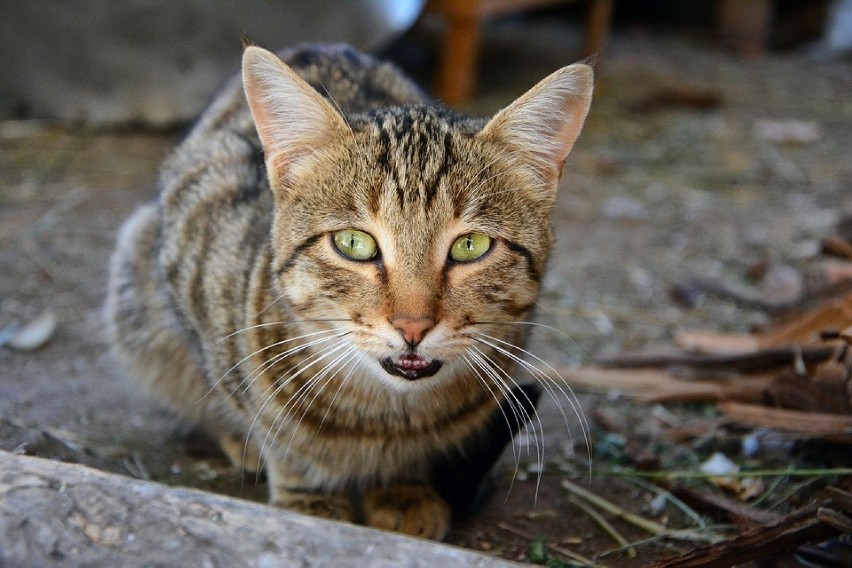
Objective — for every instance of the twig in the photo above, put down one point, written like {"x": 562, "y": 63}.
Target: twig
{"x": 670, "y": 497}
{"x": 833, "y": 427}
{"x": 652, "y": 385}
{"x": 645, "y": 524}
{"x": 564, "y": 551}
{"x": 744, "y": 516}
{"x": 605, "y": 525}
{"x": 691, "y": 474}
{"x": 794, "y": 530}
{"x": 763, "y": 360}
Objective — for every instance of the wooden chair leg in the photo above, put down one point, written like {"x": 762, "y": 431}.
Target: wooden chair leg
{"x": 597, "y": 26}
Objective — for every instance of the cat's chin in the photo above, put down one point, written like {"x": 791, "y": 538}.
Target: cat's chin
{"x": 411, "y": 366}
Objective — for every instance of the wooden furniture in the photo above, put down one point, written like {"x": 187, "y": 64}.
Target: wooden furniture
{"x": 745, "y": 24}
{"x": 464, "y": 18}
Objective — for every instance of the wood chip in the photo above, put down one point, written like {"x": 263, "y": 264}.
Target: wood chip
{"x": 658, "y": 386}
{"x": 831, "y": 427}
{"x": 718, "y": 343}
{"x": 794, "y": 530}
{"x": 804, "y": 328}
{"x": 837, "y": 246}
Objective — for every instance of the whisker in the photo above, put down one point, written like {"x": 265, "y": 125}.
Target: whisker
{"x": 356, "y": 357}
{"x": 276, "y": 386}
{"x": 282, "y": 382}
{"x": 498, "y": 370}
{"x": 531, "y": 324}
{"x": 279, "y": 385}
{"x": 270, "y": 346}
{"x": 569, "y": 395}
{"x": 258, "y": 371}
{"x": 320, "y": 376}
{"x": 479, "y": 183}
{"x": 549, "y": 384}
{"x": 298, "y": 398}
{"x": 279, "y": 323}
{"x": 515, "y": 409}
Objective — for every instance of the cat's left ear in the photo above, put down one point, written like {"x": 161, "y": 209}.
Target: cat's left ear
{"x": 293, "y": 120}
{"x": 542, "y": 125}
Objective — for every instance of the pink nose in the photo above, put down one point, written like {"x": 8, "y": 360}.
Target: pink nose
{"x": 413, "y": 329}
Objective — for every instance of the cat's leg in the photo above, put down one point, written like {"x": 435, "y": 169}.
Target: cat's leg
{"x": 288, "y": 489}
{"x": 411, "y": 508}
{"x": 241, "y": 451}
{"x": 156, "y": 352}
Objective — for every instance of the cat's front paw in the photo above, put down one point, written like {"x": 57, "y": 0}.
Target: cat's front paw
{"x": 412, "y": 509}
{"x": 337, "y": 507}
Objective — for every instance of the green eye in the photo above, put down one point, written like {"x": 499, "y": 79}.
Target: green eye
{"x": 470, "y": 247}
{"x": 356, "y": 245}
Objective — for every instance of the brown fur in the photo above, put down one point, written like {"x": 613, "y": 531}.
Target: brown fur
{"x": 229, "y": 302}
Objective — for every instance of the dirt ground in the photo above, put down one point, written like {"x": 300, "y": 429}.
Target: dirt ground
{"x": 659, "y": 189}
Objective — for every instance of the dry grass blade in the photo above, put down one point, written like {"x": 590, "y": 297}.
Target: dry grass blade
{"x": 815, "y": 523}
{"x": 605, "y": 525}
{"x": 671, "y": 498}
{"x": 638, "y": 521}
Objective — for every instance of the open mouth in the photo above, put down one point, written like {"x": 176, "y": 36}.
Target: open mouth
{"x": 411, "y": 366}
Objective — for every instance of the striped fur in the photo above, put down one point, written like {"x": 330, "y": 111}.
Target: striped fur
{"x": 229, "y": 302}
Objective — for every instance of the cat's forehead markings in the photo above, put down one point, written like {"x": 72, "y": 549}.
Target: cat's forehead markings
{"x": 415, "y": 152}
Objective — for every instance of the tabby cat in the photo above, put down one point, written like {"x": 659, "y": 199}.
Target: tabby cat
{"x": 333, "y": 278}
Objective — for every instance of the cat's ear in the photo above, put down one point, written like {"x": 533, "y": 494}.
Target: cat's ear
{"x": 292, "y": 119}
{"x": 542, "y": 125}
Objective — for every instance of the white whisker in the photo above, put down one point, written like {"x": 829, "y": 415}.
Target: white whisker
{"x": 270, "y": 346}
{"x": 515, "y": 410}
{"x": 279, "y": 384}
{"x": 258, "y": 371}
{"x": 547, "y": 382}
{"x": 498, "y": 370}
{"x": 284, "y": 324}
{"x": 283, "y": 414}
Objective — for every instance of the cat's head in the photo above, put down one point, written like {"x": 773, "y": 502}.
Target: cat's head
{"x": 420, "y": 233}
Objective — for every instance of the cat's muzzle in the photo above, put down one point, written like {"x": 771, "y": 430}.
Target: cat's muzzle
{"x": 411, "y": 366}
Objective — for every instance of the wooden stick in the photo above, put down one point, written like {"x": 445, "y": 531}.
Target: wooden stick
{"x": 794, "y": 530}
{"x": 748, "y": 362}
{"x": 605, "y": 525}
{"x": 833, "y": 427}
{"x": 652, "y": 385}
{"x": 646, "y": 525}
{"x": 742, "y": 514}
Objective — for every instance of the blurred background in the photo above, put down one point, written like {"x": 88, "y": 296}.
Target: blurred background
{"x": 714, "y": 164}
{"x": 156, "y": 63}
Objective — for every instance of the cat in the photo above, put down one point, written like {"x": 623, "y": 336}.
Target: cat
{"x": 335, "y": 279}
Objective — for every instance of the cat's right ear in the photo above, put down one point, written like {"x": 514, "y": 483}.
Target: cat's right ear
{"x": 541, "y": 126}
{"x": 293, "y": 121}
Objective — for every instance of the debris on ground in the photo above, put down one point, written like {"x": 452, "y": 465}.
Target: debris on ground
{"x": 789, "y": 382}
